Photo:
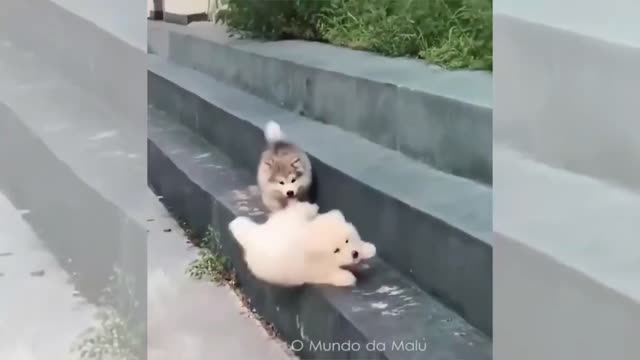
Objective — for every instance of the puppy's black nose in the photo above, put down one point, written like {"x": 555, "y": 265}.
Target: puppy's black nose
{"x": 354, "y": 254}
{"x": 290, "y": 194}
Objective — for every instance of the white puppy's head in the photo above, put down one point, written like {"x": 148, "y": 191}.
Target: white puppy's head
{"x": 337, "y": 241}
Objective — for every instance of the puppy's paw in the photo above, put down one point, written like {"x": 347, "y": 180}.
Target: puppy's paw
{"x": 240, "y": 225}
{"x": 343, "y": 278}
{"x": 310, "y": 210}
{"x": 368, "y": 251}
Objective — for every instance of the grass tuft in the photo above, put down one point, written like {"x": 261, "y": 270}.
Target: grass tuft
{"x": 210, "y": 265}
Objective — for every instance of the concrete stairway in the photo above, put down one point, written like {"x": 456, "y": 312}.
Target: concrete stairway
{"x": 433, "y": 278}
{"x": 70, "y": 150}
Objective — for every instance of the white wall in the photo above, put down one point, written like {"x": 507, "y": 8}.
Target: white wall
{"x": 185, "y": 7}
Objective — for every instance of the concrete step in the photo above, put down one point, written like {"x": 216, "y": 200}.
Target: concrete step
{"x": 89, "y": 235}
{"x": 563, "y": 107}
{"x": 202, "y": 186}
{"x": 567, "y": 246}
{"x": 79, "y": 40}
{"x": 85, "y": 130}
{"x": 438, "y": 117}
{"x": 433, "y": 227}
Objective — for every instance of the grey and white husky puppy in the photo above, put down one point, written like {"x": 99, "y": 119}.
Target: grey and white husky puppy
{"x": 284, "y": 172}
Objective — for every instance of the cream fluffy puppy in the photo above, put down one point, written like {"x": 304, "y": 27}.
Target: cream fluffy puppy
{"x": 297, "y": 246}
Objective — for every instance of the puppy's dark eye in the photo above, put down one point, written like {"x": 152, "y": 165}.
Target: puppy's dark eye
{"x": 293, "y": 180}
{"x": 337, "y": 250}
{"x": 281, "y": 182}
{"x": 346, "y": 241}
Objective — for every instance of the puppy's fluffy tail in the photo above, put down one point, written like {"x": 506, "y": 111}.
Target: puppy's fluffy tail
{"x": 239, "y": 227}
{"x": 273, "y": 133}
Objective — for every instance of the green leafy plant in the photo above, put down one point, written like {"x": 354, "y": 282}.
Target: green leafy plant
{"x": 210, "y": 265}
{"x": 281, "y": 19}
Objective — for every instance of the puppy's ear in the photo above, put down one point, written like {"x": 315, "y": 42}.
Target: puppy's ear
{"x": 296, "y": 164}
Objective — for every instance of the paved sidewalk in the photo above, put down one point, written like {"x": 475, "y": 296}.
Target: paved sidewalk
{"x": 196, "y": 320}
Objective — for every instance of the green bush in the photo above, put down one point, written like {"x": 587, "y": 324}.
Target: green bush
{"x": 452, "y": 33}
{"x": 274, "y": 20}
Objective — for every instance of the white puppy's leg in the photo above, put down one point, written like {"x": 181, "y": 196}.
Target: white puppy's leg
{"x": 341, "y": 278}
{"x": 309, "y": 210}
{"x": 303, "y": 210}
{"x": 240, "y": 227}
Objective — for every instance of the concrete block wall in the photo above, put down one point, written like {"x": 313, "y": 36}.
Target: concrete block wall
{"x": 567, "y": 180}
